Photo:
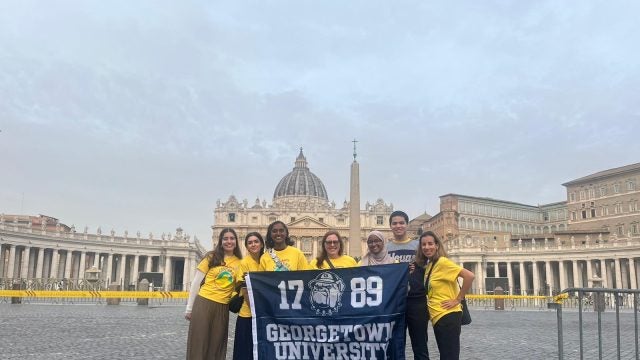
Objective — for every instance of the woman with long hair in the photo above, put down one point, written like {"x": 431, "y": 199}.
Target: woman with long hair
{"x": 280, "y": 254}
{"x": 377, "y": 252}
{"x": 444, "y": 295}
{"x": 208, "y": 305}
{"x": 243, "y": 336}
{"x": 332, "y": 255}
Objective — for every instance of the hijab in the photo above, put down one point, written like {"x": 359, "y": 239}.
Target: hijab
{"x": 380, "y": 258}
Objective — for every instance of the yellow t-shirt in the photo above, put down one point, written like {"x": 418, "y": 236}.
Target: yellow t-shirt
{"x": 344, "y": 261}
{"x": 247, "y": 264}
{"x": 219, "y": 280}
{"x": 443, "y": 285}
{"x": 292, "y": 259}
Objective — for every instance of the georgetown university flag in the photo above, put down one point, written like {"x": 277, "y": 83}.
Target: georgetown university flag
{"x": 352, "y": 313}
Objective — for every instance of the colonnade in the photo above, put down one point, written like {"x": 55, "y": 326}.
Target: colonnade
{"x": 545, "y": 276}
{"x": 32, "y": 262}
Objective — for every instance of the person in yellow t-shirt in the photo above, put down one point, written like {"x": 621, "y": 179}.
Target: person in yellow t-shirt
{"x": 280, "y": 254}
{"x": 331, "y": 255}
{"x": 243, "y": 336}
{"x": 444, "y": 295}
{"x": 208, "y": 304}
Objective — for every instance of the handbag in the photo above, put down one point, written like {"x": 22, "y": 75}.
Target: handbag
{"x": 235, "y": 304}
{"x": 466, "y": 316}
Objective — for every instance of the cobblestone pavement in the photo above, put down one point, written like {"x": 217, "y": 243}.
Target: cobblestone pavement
{"x": 52, "y": 332}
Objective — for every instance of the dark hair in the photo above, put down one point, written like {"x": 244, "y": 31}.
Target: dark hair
{"x": 256, "y": 234}
{"x": 269, "y": 239}
{"x": 420, "y": 258}
{"x": 323, "y": 254}
{"x": 399, "y": 213}
{"x": 216, "y": 256}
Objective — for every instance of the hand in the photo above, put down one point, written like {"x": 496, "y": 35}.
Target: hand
{"x": 187, "y": 316}
{"x": 448, "y": 304}
{"x": 412, "y": 267}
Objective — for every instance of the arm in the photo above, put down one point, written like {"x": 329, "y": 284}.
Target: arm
{"x": 467, "y": 278}
{"x": 193, "y": 292}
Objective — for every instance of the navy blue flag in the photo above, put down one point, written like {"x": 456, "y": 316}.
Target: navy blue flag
{"x": 352, "y": 313}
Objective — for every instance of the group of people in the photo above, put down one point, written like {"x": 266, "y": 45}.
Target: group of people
{"x": 434, "y": 291}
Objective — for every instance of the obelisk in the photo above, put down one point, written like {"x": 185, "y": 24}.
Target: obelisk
{"x": 355, "y": 241}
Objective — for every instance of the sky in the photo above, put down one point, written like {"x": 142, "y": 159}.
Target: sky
{"x": 140, "y": 115}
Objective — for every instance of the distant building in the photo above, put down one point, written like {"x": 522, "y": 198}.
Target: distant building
{"x": 300, "y": 200}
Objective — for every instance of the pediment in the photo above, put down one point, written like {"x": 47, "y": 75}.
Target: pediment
{"x": 307, "y": 222}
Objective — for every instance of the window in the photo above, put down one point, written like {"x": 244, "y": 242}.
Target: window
{"x": 620, "y": 230}
{"x": 593, "y": 213}
{"x": 340, "y": 220}
{"x": 582, "y": 195}
{"x": 321, "y": 220}
{"x": 584, "y": 214}
{"x": 379, "y": 220}
{"x": 572, "y": 197}
{"x": 254, "y": 219}
{"x": 293, "y": 218}
{"x": 592, "y": 193}
{"x": 231, "y": 217}
{"x": 573, "y": 215}
{"x": 272, "y": 219}
{"x": 616, "y": 188}
{"x": 634, "y": 229}
{"x": 603, "y": 191}
{"x": 631, "y": 185}
{"x": 545, "y": 216}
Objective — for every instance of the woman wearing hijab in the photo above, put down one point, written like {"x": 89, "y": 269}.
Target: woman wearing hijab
{"x": 377, "y": 253}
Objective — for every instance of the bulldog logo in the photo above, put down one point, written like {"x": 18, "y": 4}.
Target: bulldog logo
{"x": 326, "y": 293}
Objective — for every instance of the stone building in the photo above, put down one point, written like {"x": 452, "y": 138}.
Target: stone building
{"x": 300, "y": 200}
{"x": 589, "y": 240}
{"x": 40, "y": 249}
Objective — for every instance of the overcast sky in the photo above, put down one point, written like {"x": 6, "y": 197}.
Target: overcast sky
{"x": 139, "y": 115}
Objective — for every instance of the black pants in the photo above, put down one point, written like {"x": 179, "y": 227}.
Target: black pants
{"x": 243, "y": 342}
{"x": 447, "y": 331}
{"x": 416, "y": 320}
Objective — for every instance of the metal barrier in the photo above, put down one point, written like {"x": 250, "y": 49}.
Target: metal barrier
{"x": 598, "y": 300}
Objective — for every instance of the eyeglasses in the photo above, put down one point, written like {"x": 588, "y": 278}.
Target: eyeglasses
{"x": 332, "y": 242}
{"x": 376, "y": 241}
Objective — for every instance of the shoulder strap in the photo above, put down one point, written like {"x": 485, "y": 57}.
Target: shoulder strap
{"x": 426, "y": 281}
{"x": 330, "y": 263}
{"x": 276, "y": 260}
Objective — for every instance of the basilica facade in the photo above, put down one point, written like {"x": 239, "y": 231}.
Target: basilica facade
{"x": 300, "y": 200}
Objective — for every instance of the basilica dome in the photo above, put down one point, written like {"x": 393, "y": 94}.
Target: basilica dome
{"x": 300, "y": 182}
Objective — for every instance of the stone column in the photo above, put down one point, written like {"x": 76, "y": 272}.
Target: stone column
{"x": 481, "y": 276}
{"x": 589, "y": 274}
{"x": 81, "y": 267}
{"x": 549, "y": 277}
{"x": 40, "y": 264}
{"x": 167, "y": 274}
{"x": 55, "y": 262}
{"x": 186, "y": 273}
{"x": 536, "y": 279}
{"x": 12, "y": 261}
{"x": 24, "y": 269}
{"x": 134, "y": 272}
{"x": 121, "y": 264}
{"x": 147, "y": 264}
{"x": 96, "y": 260}
{"x": 632, "y": 274}
{"x": 577, "y": 275}
{"x": 109, "y": 269}
{"x": 510, "y": 277}
{"x": 618, "y": 272}
{"x": 562, "y": 275}
{"x": 67, "y": 267}
{"x": 523, "y": 279}
{"x": 603, "y": 273}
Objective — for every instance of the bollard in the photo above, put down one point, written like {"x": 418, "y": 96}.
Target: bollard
{"x": 143, "y": 286}
{"x": 499, "y": 303}
{"x": 16, "y": 300}
{"x": 114, "y": 301}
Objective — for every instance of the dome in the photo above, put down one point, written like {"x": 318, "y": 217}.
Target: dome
{"x": 300, "y": 182}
